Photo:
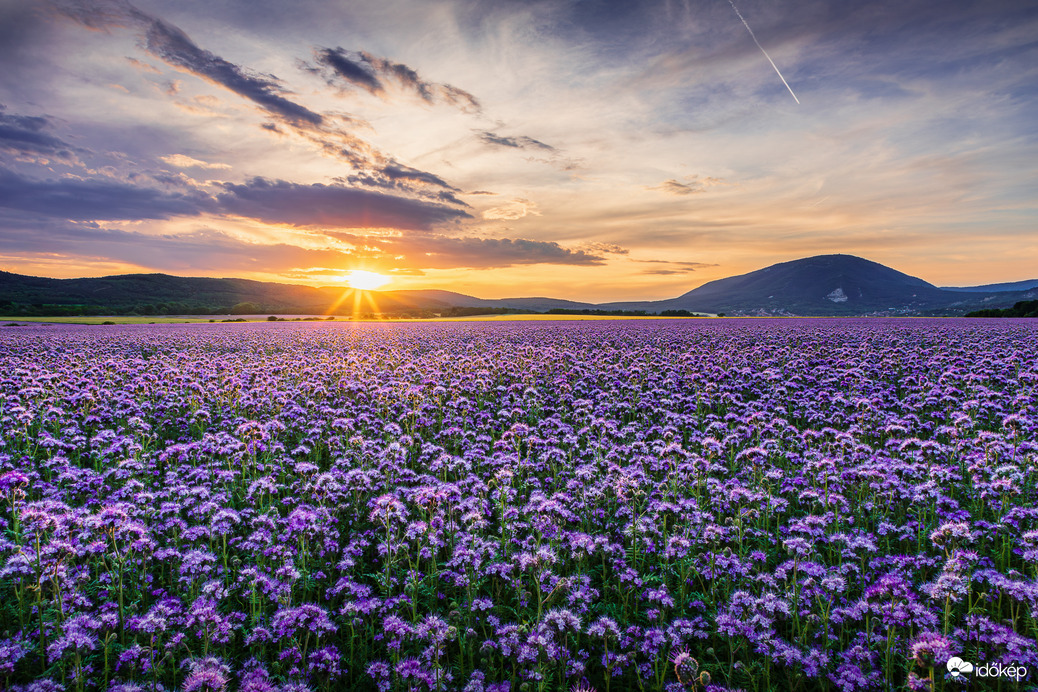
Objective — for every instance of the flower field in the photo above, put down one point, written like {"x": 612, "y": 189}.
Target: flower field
{"x": 651, "y": 505}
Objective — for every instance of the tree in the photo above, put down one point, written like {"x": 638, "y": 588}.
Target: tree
{"x": 245, "y": 309}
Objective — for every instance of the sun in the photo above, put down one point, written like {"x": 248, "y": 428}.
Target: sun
{"x": 366, "y": 281}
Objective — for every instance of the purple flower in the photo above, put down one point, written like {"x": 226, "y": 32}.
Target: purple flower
{"x": 604, "y": 628}
{"x": 931, "y": 650}
{"x": 206, "y": 675}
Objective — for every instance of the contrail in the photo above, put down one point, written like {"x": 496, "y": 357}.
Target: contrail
{"x": 739, "y": 14}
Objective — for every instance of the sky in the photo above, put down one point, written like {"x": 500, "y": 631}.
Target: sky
{"x": 594, "y": 150}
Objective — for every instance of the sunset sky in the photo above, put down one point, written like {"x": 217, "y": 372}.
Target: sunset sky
{"x": 581, "y": 149}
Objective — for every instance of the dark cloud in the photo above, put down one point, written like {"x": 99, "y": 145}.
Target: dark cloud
{"x": 554, "y": 158}
{"x": 29, "y": 235}
{"x": 519, "y": 142}
{"x": 96, "y": 199}
{"x": 398, "y": 177}
{"x": 202, "y": 250}
{"x": 370, "y": 72}
{"x": 22, "y": 25}
{"x": 163, "y": 196}
{"x": 173, "y": 46}
{"x": 25, "y": 135}
{"x": 397, "y": 171}
{"x": 340, "y": 64}
{"x": 444, "y": 252}
{"x": 336, "y": 206}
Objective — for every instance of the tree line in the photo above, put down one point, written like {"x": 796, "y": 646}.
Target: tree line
{"x": 1024, "y": 308}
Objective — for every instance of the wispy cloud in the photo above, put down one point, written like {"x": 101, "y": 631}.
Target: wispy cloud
{"x": 693, "y": 185}
{"x": 671, "y": 268}
{"x": 174, "y": 47}
{"x": 600, "y": 248}
{"x": 171, "y": 45}
{"x": 373, "y": 74}
{"x": 26, "y": 136}
{"x": 513, "y": 210}
{"x": 515, "y": 142}
{"x": 182, "y": 161}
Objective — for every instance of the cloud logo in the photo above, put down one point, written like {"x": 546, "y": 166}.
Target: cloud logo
{"x": 956, "y": 666}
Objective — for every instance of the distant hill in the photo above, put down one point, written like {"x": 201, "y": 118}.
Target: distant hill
{"x": 461, "y": 300}
{"x": 164, "y": 294}
{"x": 827, "y": 285}
{"x": 823, "y": 285}
{"x": 995, "y": 288}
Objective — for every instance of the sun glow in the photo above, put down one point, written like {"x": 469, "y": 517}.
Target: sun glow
{"x": 366, "y": 281}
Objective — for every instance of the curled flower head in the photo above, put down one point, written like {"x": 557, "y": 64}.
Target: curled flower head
{"x": 685, "y": 667}
{"x": 13, "y": 480}
{"x": 930, "y": 650}
{"x": 799, "y": 547}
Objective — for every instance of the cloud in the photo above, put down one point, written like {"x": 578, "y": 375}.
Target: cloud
{"x": 695, "y": 185}
{"x": 396, "y": 171}
{"x": 335, "y": 206}
{"x": 671, "y": 268}
{"x": 97, "y": 199}
{"x": 181, "y": 161}
{"x": 440, "y": 252}
{"x": 270, "y": 201}
{"x": 518, "y": 142}
{"x": 371, "y": 73}
{"x": 444, "y": 252}
{"x": 515, "y": 209}
{"x": 356, "y": 71}
{"x": 24, "y": 136}
{"x": 554, "y": 157}
{"x": 605, "y": 248}
{"x": 143, "y": 66}
{"x": 202, "y": 250}
{"x": 173, "y": 46}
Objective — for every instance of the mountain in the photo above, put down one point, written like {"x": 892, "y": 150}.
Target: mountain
{"x": 161, "y": 293}
{"x": 452, "y": 299}
{"x": 994, "y": 288}
{"x": 824, "y": 285}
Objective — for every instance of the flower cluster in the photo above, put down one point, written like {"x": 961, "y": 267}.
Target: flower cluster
{"x": 685, "y": 505}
